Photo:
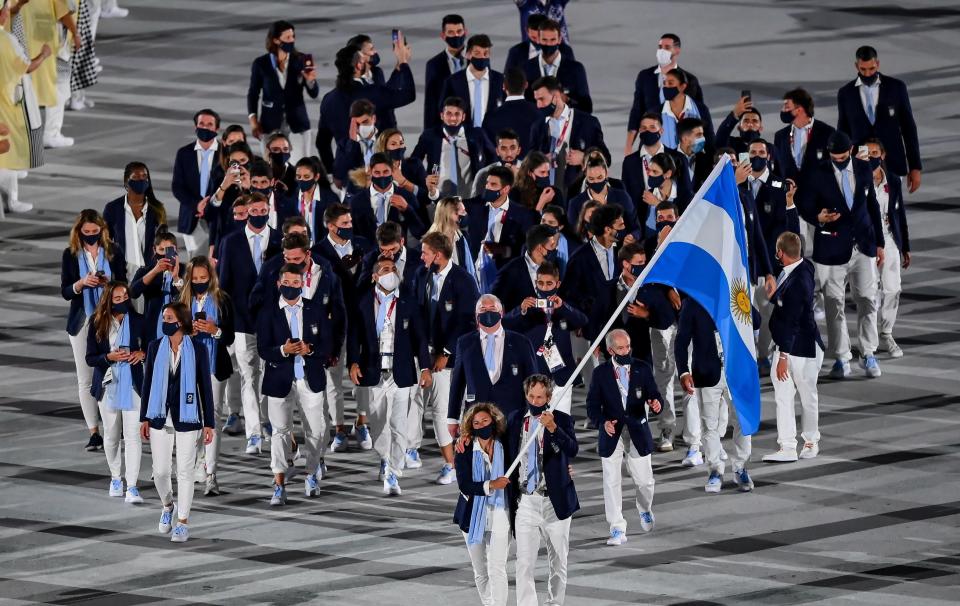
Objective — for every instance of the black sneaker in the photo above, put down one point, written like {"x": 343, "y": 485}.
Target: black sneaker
{"x": 95, "y": 443}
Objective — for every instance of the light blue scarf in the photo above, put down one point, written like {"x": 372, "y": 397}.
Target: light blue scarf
{"x": 209, "y": 306}
{"x": 670, "y": 125}
{"x": 157, "y": 407}
{"x": 119, "y": 394}
{"x": 563, "y": 254}
{"x": 91, "y": 296}
{"x": 478, "y": 516}
{"x": 167, "y": 289}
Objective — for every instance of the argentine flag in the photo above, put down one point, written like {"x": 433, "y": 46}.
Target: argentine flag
{"x": 705, "y": 256}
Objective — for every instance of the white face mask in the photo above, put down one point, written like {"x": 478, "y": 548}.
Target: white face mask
{"x": 366, "y": 130}
{"x": 664, "y": 57}
{"x": 389, "y": 282}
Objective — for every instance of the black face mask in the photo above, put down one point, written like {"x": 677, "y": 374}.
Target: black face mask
{"x": 875, "y": 162}
{"x": 90, "y": 239}
{"x": 305, "y": 185}
{"x": 841, "y": 165}
{"x": 451, "y": 130}
{"x": 869, "y": 80}
{"x": 670, "y": 92}
{"x": 480, "y": 63}
{"x": 483, "y": 433}
{"x": 374, "y": 60}
{"x": 489, "y": 318}
{"x": 622, "y": 360}
{"x": 397, "y": 154}
{"x": 662, "y": 224}
{"x": 786, "y": 117}
{"x": 138, "y": 186}
{"x": 636, "y": 270}
{"x": 434, "y": 268}
{"x": 170, "y": 328}
{"x": 549, "y": 49}
{"x": 287, "y": 47}
{"x": 200, "y": 287}
{"x": 547, "y": 110}
{"x": 649, "y": 139}
{"x": 749, "y": 136}
{"x": 546, "y": 294}
{"x": 290, "y": 293}
{"x": 280, "y": 158}
{"x": 542, "y": 182}
{"x": 345, "y": 233}
{"x": 552, "y": 257}
{"x": 758, "y": 163}
{"x": 382, "y": 182}
{"x": 258, "y": 221}
{"x": 536, "y": 411}
{"x": 206, "y": 135}
{"x": 266, "y": 191}
{"x": 455, "y": 42}
{"x": 462, "y": 220}
{"x": 597, "y": 186}
{"x": 489, "y": 195}
{"x": 240, "y": 223}
{"x": 655, "y": 181}
{"x": 301, "y": 267}
{"x": 122, "y": 307}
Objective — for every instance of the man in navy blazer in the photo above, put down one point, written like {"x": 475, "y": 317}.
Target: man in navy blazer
{"x": 194, "y": 179}
{"x": 651, "y": 308}
{"x": 482, "y": 375}
{"x": 702, "y": 374}
{"x": 749, "y": 122}
{"x": 841, "y": 201}
{"x": 387, "y": 342}
{"x": 523, "y": 51}
{"x": 798, "y": 354}
{"x": 801, "y": 145}
{"x": 564, "y": 133}
{"x": 391, "y": 243}
{"x": 238, "y": 269}
{"x": 517, "y": 280}
{"x": 570, "y": 73}
{"x": 289, "y": 340}
{"x": 515, "y": 114}
{"x": 447, "y": 295}
{"x": 464, "y": 84}
{"x": 456, "y": 150}
{"x": 384, "y": 201}
{"x": 875, "y": 105}
{"x": 453, "y": 32}
{"x": 547, "y": 495}
{"x": 620, "y": 392}
{"x": 648, "y": 88}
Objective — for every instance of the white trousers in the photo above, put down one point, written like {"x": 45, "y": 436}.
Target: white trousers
{"x": 861, "y": 273}
{"x": 88, "y": 404}
{"x": 250, "y": 367}
{"x": 333, "y": 393}
{"x": 489, "y": 560}
{"x": 197, "y": 243}
{"x": 300, "y": 145}
{"x": 693, "y": 420}
{"x": 9, "y": 189}
{"x": 233, "y": 390}
{"x": 535, "y": 519}
{"x": 801, "y": 380}
{"x": 125, "y": 424}
{"x": 162, "y": 444}
{"x": 387, "y": 415}
{"x": 53, "y": 114}
{"x": 641, "y": 471}
{"x": 890, "y": 288}
{"x": 664, "y": 371}
{"x": 762, "y": 302}
{"x": 280, "y": 412}
{"x": 415, "y": 417}
{"x": 437, "y": 397}
{"x": 211, "y": 451}
{"x": 714, "y": 404}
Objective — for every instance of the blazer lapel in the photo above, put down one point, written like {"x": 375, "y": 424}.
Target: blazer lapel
{"x": 481, "y": 364}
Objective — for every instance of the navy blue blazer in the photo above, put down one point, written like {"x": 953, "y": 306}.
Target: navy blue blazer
{"x": 533, "y": 325}
{"x": 604, "y": 404}
{"x": 512, "y": 284}
{"x": 573, "y": 81}
{"x": 702, "y": 167}
{"x": 238, "y": 274}
{"x": 70, "y": 273}
{"x": 318, "y": 229}
{"x": 757, "y": 252}
{"x": 646, "y": 94}
{"x": 116, "y": 218}
{"x": 273, "y": 332}
{"x": 697, "y": 327}
{"x": 280, "y": 102}
{"x": 517, "y": 115}
{"x": 519, "y": 54}
{"x": 792, "y": 325}
{"x": 893, "y": 125}
{"x": 897, "y": 213}
{"x": 455, "y": 314}
{"x": 726, "y": 138}
{"x": 186, "y": 185}
{"x": 479, "y": 148}
{"x": 407, "y": 280}
{"x": 614, "y": 196}
{"x": 344, "y": 268}
{"x": 469, "y": 489}
{"x": 470, "y": 381}
{"x": 457, "y": 86}
{"x": 98, "y": 349}
{"x": 349, "y": 157}
{"x": 632, "y": 176}
{"x": 662, "y": 316}
{"x": 204, "y": 390}
{"x": 437, "y": 72}
{"x": 860, "y": 226}
{"x": 409, "y": 342}
{"x": 774, "y": 216}
{"x": 585, "y": 132}
{"x": 513, "y": 233}
{"x": 815, "y": 154}
{"x": 365, "y": 220}
{"x": 559, "y": 448}
{"x": 587, "y": 290}
{"x": 152, "y": 294}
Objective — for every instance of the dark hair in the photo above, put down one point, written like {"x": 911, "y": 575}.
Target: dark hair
{"x": 346, "y": 58}
{"x": 274, "y": 32}
{"x": 549, "y": 269}
{"x": 535, "y": 20}
{"x": 679, "y": 74}
{"x": 316, "y": 167}
{"x": 454, "y": 102}
{"x": 241, "y": 147}
{"x": 549, "y": 25}
{"x": 686, "y": 125}
{"x": 438, "y": 242}
{"x": 652, "y": 116}
{"x": 260, "y": 168}
{"x": 504, "y": 174}
{"x": 801, "y": 98}
{"x": 234, "y": 128}
{"x": 673, "y": 37}
{"x": 627, "y": 251}
{"x": 875, "y": 141}
{"x": 274, "y": 137}
{"x": 295, "y": 220}
{"x": 548, "y": 82}
{"x": 359, "y": 40}
{"x": 508, "y": 133}
{"x": 538, "y": 235}
{"x": 362, "y": 107}
{"x": 255, "y": 198}
{"x": 538, "y": 379}
{"x": 866, "y": 53}
{"x": 207, "y": 112}
{"x": 720, "y": 151}
{"x": 665, "y": 162}
{"x": 451, "y": 19}
{"x": 289, "y": 268}
{"x": 334, "y": 212}
{"x": 184, "y": 317}
{"x": 104, "y": 311}
{"x": 151, "y": 198}
{"x": 496, "y": 415}
{"x": 514, "y": 80}
{"x": 164, "y": 235}
{"x": 380, "y": 158}
{"x": 605, "y": 216}
{"x": 760, "y": 140}
{"x": 295, "y": 241}
{"x": 389, "y": 232}
{"x": 479, "y": 41}
{"x": 752, "y": 110}
{"x": 668, "y": 205}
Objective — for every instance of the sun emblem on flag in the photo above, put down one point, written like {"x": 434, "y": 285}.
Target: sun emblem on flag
{"x": 740, "y": 301}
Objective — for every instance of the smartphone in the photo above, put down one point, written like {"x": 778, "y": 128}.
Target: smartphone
{"x": 170, "y": 252}
{"x": 863, "y": 151}
{"x": 294, "y": 341}
{"x": 395, "y": 34}
{"x": 746, "y": 93}
{"x": 743, "y": 157}
{"x": 435, "y": 170}
{"x": 235, "y": 168}
{"x": 101, "y": 274}
{"x": 200, "y": 315}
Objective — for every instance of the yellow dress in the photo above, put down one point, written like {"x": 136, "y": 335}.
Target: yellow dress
{"x": 13, "y": 66}
{"x": 40, "y": 19}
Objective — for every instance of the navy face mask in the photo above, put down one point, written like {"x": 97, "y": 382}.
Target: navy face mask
{"x": 597, "y": 186}
{"x": 548, "y": 110}
{"x": 655, "y": 181}
{"x": 122, "y": 307}
{"x": 280, "y": 157}
{"x": 489, "y": 195}
{"x": 480, "y": 63}
{"x": 549, "y": 49}
{"x": 138, "y": 186}
{"x": 455, "y": 42}
{"x": 200, "y": 287}
{"x": 258, "y": 221}
{"x": 290, "y": 293}
{"x": 869, "y": 80}
{"x": 90, "y": 239}
{"x": 841, "y": 165}
{"x": 662, "y": 224}
{"x": 266, "y": 191}
{"x": 621, "y": 360}
{"x": 397, "y": 154}
{"x": 489, "y": 318}
{"x": 543, "y": 182}
{"x": 786, "y": 117}
{"x": 649, "y": 139}
{"x": 374, "y": 60}
{"x": 749, "y": 136}
{"x": 451, "y": 130}
{"x": 552, "y": 257}
{"x": 670, "y": 92}
{"x": 286, "y": 47}
{"x": 636, "y": 270}
{"x": 535, "y": 411}
{"x": 546, "y": 294}
{"x": 345, "y": 233}
{"x": 757, "y": 163}
{"x": 382, "y": 182}
{"x": 875, "y": 162}
{"x": 205, "y": 134}
{"x": 305, "y": 185}
{"x": 170, "y": 328}
{"x": 483, "y": 433}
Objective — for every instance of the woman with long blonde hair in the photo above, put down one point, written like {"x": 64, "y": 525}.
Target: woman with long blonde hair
{"x": 450, "y": 219}
{"x": 89, "y": 262}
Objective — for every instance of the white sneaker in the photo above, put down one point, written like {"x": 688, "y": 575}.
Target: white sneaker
{"x": 114, "y": 13}
{"x": 55, "y": 141}
{"x": 116, "y": 488}
{"x": 617, "y": 537}
{"x": 211, "y": 487}
{"x": 890, "y": 346}
{"x": 76, "y": 105}
{"x": 809, "y": 450}
{"x": 133, "y": 496}
{"x": 16, "y": 206}
{"x": 411, "y": 459}
{"x": 723, "y": 454}
{"x": 391, "y": 486}
{"x": 693, "y": 458}
{"x": 781, "y": 456}
{"x": 180, "y": 534}
{"x": 166, "y": 519}
{"x": 447, "y": 475}
{"x": 647, "y": 521}
{"x": 200, "y": 470}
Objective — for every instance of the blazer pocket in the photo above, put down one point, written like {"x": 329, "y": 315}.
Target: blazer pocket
{"x": 267, "y": 104}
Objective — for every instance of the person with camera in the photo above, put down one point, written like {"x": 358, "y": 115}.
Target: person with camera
{"x": 159, "y": 282}
{"x": 89, "y": 262}
{"x": 517, "y": 280}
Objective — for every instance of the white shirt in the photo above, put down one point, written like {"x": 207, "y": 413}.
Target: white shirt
{"x": 175, "y": 357}
{"x": 498, "y": 339}
{"x": 463, "y": 159}
{"x": 874, "y": 94}
{"x": 213, "y": 147}
{"x": 883, "y": 200}
{"x": 801, "y": 131}
{"x": 310, "y": 285}
{"x": 401, "y": 261}
{"x": 514, "y": 97}
{"x": 264, "y": 238}
{"x": 135, "y": 232}
{"x": 787, "y": 270}
{"x": 531, "y": 269}
{"x": 646, "y": 157}
{"x": 601, "y": 254}
{"x": 375, "y": 201}
{"x": 555, "y": 66}
{"x": 498, "y": 222}
{"x": 342, "y": 251}
{"x": 443, "y": 273}
{"x": 687, "y": 106}
{"x": 484, "y": 80}
{"x": 309, "y": 210}
{"x": 561, "y": 127}
{"x": 286, "y": 310}
{"x": 281, "y": 73}
{"x": 532, "y": 51}
{"x": 386, "y": 336}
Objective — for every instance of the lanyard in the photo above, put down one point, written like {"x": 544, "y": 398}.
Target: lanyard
{"x": 563, "y": 133}
{"x": 393, "y": 304}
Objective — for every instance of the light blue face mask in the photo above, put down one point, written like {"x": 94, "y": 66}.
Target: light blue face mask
{"x": 698, "y": 144}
